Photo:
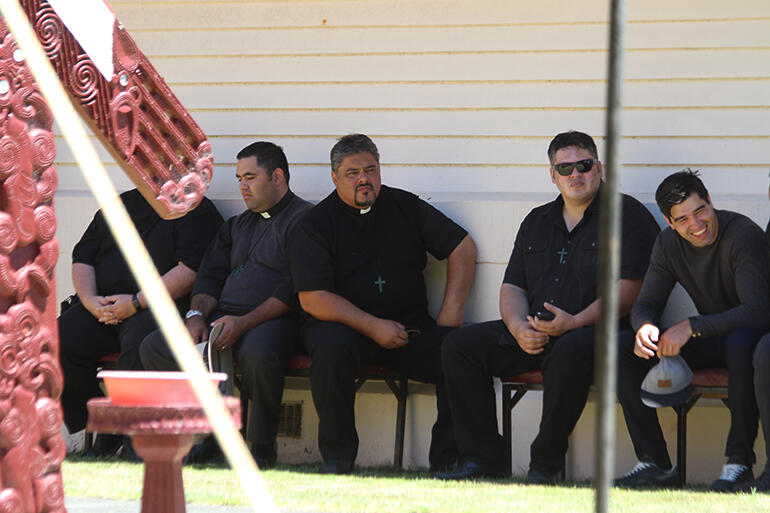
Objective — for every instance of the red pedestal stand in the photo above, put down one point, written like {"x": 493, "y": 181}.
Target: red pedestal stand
{"x": 161, "y": 436}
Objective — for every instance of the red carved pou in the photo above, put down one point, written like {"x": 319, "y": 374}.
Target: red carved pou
{"x": 31, "y": 444}
{"x": 133, "y": 111}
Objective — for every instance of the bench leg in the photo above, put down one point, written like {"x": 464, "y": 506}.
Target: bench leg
{"x": 399, "y": 387}
{"x": 512, "y": 394}
{"x": 681, "y": 437}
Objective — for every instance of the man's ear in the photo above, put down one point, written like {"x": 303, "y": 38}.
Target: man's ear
{"x": 334, "y": 178}
{"x": 278, "y": 174}
{"x": 668, "y": 220}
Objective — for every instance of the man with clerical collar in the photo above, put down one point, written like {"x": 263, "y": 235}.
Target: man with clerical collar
{"x": 357, "y": 260}
{"x": 549, "y": 306}
{"x": 720, "y": 259}
{"x": 244, "y": 284}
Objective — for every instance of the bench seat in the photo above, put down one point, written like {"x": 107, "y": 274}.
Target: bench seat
{"x": 710, "y": 383}
{"x": 298, "y": 366}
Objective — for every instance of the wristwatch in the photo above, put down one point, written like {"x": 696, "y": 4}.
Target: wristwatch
{"x": 192, "y": 313}
{"x": 136, "y": 303}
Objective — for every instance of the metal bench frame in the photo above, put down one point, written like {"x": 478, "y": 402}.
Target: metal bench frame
{"x": 515, "y": 387}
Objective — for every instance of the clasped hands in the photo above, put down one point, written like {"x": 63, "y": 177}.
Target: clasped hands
{"x": 111, "y": 310}
{"x": 533, "y": 334}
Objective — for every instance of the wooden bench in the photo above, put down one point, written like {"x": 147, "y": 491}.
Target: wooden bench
{"x": 709, "y": 383}
{"x": 298, "y": 366}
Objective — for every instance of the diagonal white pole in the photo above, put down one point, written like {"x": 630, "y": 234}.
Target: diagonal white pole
{"x": 138, "y": 259}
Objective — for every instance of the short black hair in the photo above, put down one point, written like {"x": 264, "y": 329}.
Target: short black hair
{"x": 269, "y": 156}
{"x": 676, "y": 188}
{"x": 572, "y": 138}
{"x": 352, "y": 144}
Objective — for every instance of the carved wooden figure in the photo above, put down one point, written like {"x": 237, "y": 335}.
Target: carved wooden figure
{"x": 125, "y": 101}
{"x": 31, "y": 444}
{"x": 131, "y": 109}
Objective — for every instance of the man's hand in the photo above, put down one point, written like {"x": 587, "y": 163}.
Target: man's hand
{"x": 120, "y": 308}
{"x": 196, "y": 325}
{"x": 529, "y": 339}
{"x": 95, "y": 304}
{"x": 645, "y": 345}
{"x": 232, "y": 330}
{"x": 561, "y": 323}
{"x": 390, "y": 334}
{"x": 674, "y": 338}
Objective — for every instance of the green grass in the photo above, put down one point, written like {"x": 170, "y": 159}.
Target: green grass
{"x": 299, "y": 488}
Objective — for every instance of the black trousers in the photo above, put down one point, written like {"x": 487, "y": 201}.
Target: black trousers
{"x": 84, "y": 340}
{"x": 762, "y": 389}
{"x": 733, "y": 351}
{"x": 338, "y": 352}
{"x": 474, "y": 354}
{"x": 261, "y": 354}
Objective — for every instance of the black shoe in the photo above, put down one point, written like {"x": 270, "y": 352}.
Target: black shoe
{"x": 468, "y": 470}
{"x": 265, "y": 455}
{"x": 538, "y": 477}
{"x": 105, "y": 446}
{"x": 336, "y": 467}
{"x": 649, "y": 475}
{"x": 760, "y": 484}
{"x": 443, "y": 467}
{"x": 205, "y": 451}
{"x": 732, "y": 474}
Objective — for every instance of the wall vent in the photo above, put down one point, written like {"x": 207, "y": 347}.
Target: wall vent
{"x": 290, "y": 422}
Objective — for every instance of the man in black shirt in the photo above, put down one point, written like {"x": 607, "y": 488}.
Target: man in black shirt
{"x": 357, "y": 260}
{"x": 244, "y": 284}
{"x": 720, "y": 259}
{"x": 552, "y": 274}
{"x": 111, "y": 312}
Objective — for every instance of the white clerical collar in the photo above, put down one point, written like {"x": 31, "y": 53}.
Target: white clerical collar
{"x": 265, "y": 214}
{"x": 365, "y": 210}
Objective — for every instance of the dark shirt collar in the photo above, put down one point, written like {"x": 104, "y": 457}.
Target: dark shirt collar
{"x": 278, "y": 207}
{"x": 555, "y": 212}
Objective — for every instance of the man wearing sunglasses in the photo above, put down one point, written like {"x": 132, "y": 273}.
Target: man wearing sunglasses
{"x": 549, "y": 306}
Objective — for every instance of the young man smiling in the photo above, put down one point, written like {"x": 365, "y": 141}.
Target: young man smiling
{"x": 719, "y": 257}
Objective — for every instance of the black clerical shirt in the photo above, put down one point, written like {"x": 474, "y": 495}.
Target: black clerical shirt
{"x": 560, "y": 267}
{"x": 247, "y": 262}
{"x": 374, "y": 260}
{"x": 168, "y": 242}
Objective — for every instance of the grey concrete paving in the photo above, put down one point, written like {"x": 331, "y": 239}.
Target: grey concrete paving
{"x": 81, "y": 505}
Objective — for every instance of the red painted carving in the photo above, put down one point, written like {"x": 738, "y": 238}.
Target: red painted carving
{"x": 135, "y": 114}
{"x": 31, "y": 445}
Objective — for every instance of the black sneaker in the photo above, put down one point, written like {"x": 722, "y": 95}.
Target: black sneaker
{"x": 538, "y": 477}
{"x": 732, "y": 474}
{"x": 760, "y": 484}
{"x": 648, "y": 475}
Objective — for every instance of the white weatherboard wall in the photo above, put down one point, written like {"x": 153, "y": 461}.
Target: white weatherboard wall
{"x": 462, "y": 99}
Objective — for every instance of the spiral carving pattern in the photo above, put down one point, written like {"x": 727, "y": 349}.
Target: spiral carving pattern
{"x": 30, "y": 377}
{"x": 49, "y": 29}
{"x": 84, "y": 80}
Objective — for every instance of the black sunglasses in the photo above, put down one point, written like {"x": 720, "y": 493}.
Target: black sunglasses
{"x": 565, "y": 168}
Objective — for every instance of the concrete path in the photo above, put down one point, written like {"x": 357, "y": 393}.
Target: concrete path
{"x": 81, "y": 505}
